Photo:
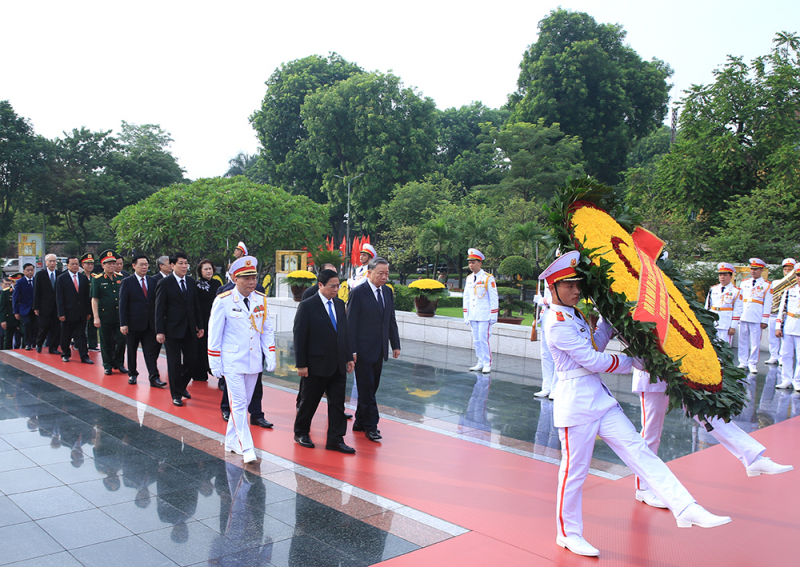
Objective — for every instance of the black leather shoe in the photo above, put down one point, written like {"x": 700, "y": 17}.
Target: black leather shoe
{"x": 39, "y": 349}
{"x": 178, "y": 403}
{"x": 348, "y": 416}
{"x": 221, "y": 383}
{"x": 304, "y": 441}
{"x": 359, "y": 428}
{"x": 132, "y": 379}
{"x": 55, "y": 351}
{"x": 261, "y": 422}
{"x": 373, "y": 435}
{"x": 186, "y": 395}
{"x": 155, "y": 382}
{"x": 107, "y": 372}
{"x": 87, "y": 360}
{"x": 226, "y": 415}
{"x": 341, "y": 447}
{"x": 64, "y": 359}
{"x": 200, "y": 379}
{"x": 123, "y": 369}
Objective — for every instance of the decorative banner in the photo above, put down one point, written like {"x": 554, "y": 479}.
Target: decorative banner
{"x": 653, "y": 304}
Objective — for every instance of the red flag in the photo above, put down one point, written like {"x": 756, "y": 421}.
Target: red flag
{"x": 355, "y": 258}
{"x": 367, "y": 237}
{"x": 343, "y": 248}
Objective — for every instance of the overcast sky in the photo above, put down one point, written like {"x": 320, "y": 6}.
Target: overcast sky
{"x": 198, "y": 68}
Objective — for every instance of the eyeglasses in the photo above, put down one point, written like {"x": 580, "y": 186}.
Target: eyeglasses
{"x": 333, "y": 286}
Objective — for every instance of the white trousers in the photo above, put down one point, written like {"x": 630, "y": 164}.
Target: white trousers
{"x": 729, "y": 435}
{"x": 749, "y": 343}
{"x": 790, "y": 372}
{"x": 240, "y": 392}
{"x": 577, "y": 444}
{"x": 549, "y": 378}
{"x": 774, "y": 342}
{"x": 481, "y": 332}
{"x": 722, "y": 334}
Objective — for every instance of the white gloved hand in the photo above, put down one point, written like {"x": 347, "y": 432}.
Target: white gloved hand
{"x": 537, "y": 299}
{"x": 638, "y": 363}
{"x": 217, "y": 373}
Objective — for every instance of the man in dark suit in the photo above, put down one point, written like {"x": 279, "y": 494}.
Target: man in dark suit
{"x": 87, "y": 263}
{"x": 22, "y": 301}
{"x": 44, "y": 305}
{"x": 178, "y": 325}
{"x": 323, "y": 358}
{"x": 164, "y": 268}
{"x": 74, "y": 308}
{"x": 372, "y": 327}
{"x": 137, "y": 320}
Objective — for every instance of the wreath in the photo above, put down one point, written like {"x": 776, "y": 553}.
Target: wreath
{"x": 698, "y": 368}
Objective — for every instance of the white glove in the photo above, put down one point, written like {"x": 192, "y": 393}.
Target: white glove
{"x": 217, "y": 373}
{"x": 537, "y": 299}
{"x": 466, "y": 321}
{"x": 271, "y": 363}
{"x": 638, "y": 364}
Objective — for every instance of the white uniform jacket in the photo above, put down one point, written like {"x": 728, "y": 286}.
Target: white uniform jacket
{"x": 240, "y": 340}
{"x": 727, "y": 303}
{"x": 480, "y": 298}
{"x": 580, "y": 396}
{"x": 757, "y": 300}
{"x": 358, "y": 278}
{"x": 789, "y": 311}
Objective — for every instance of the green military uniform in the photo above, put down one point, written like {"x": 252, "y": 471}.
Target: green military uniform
{"x": 7, "y": 317}
{"x": 112, "y": 342}
{"x": 91, "y": 330}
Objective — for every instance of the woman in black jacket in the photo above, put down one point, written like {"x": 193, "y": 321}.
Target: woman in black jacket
{"x": 207, "y": 286}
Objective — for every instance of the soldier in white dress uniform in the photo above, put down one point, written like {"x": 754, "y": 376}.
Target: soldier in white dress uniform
{"x": 238, "y": 252}
{"x": 654, "y": 403}
{"x": 724, "y": 300}
{"x": 584, "y": 409}
{"x": 757, "y": 299}
{"x": 240, "y": 340}
{"x": 787, "y": 327}
{"x": 548, "y": 372}
{"x": 481, "y": 307}
{"x": 777, "y": 289}
{"x": 360, "y": 273}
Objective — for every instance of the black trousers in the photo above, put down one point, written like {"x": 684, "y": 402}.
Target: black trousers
{"x": 12, "y": 337}
{"x": 112, "y": 343}
{"x": 50, "y": 330}
{"x": 150, "y": 349}
{"x": 368, "y": 378}
{"x": 181, "y": 362}
{"x": 313, "y": 388}
{"x": 91, "y": 333}
{"x": 74, "y": 331}
{"x": 254, "y": 408}
{"x": 29, "y": 328}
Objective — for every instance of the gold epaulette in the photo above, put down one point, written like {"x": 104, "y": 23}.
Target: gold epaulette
{"x": 100, "y": 275}
{"x": 259, "y": 293}
{"x": 225, "y": 293}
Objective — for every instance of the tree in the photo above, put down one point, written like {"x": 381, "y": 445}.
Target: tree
{"x": 536, "y": 159}
{"x": 280, "y": 127}
{"x": 368, "y": 124}
{"x": 23, "y": 161}
{"x": 242, "y": 164}
{"x": 581, "y": 75}
{"x": 435, "y": 236}
{"x": 204, "y": 218}
{"x": 414, "y": 203}
{"x": 400, "y": 248}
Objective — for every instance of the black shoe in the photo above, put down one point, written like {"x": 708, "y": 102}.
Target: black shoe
{"x": 341, "y": 447}
{"x": 107, "y": 372}
{"x": 155, "y": 382}
{"x": 261, "y": 422}
{"x": 357, "y": 427}
{"x": 28, "y": 347}
{"x": 201, "y": 379}
{"x": 221, "y": 383}
{"x": 348, "y": 415}
{"x": 87, "y": 360}
{"x": 39, "y": 349}
{"x": 226, "y": 415}
{"x": 95, "y": 348}
{"x": 186, "y": 395}
{"x": 132, "y": 379}
{"x": 123, "y": 370}
{"x": 64, "y": 359}
{"x": 304, "y": 441}
{"x": 55, "y": 351}
{"x": 373, "y": 435}
{"x": 178, "y": 403}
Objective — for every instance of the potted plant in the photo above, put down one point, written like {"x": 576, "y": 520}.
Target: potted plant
{"x": 515, "y": 268}
{"x": 299, "y": 281}
{"x": 426, "y": 294}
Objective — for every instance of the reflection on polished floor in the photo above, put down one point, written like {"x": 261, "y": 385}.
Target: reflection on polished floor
{"x": 96, "y": 472}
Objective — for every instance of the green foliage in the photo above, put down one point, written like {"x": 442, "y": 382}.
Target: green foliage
{"x": 325, "y": 256}
{"x": 370, "y": 124}
{"x": 582, "y": 75}
{"x": 399, "y": 247}
{"x": 535, "y": 159}
{"x": 204, "y": 217}
{"x": 403, "y": 300}
{"x": 243, "y": 164}
{"x": 649, "y": 147}
{"x": 414, "y": 203}
{"x": 514, "y": 266}
{"x": 279, "y": 123}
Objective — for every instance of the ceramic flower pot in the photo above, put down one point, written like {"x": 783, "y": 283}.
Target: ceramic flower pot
{"x": 424, "y": 307}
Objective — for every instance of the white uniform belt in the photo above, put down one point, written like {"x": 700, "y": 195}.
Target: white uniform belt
{"x": 722, "y": 309}
{"x": 575, "y": 373}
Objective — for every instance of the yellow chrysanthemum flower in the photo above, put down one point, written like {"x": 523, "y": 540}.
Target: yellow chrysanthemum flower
{"x": 426, "y": 284}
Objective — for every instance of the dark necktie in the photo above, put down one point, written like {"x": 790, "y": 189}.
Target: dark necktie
{"x": 330, "y": 313}
{"x": 247, "y": 303}
{"x": 380, "y": 301}
{"x": 183, "y": 286}
{"x": 53, "y": 279}
{"x": 144, "y": 288}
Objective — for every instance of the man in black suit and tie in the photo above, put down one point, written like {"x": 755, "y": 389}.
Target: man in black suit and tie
{"x": 372, "y": 327}
{"x": 44, "y": 305}
{"x": 22, "y": 302}
{"x": 323, "y": 358}
{"x": 164, "y": 268}
{"x": 137, "y": 320}
{"x": 178, "y": 325}
{"x": 74, "y": 308}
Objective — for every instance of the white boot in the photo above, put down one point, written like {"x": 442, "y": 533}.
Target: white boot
{"x": 696, "y": 515}
{"x": 476, "y": 367}
{"x": 649, "y": 497}
{"x": 765, "y": 465}
{"x": 577, "y": 545}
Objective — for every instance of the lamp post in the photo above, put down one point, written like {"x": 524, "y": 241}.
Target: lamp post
{"x": 347, "y": 238}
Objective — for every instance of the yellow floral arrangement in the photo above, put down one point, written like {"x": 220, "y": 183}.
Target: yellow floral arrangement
{"x": 301, "y": 277}
{"x": 698, "y": 368}
{"x": 432, "y": 290}
{"x": 426, "y": 284}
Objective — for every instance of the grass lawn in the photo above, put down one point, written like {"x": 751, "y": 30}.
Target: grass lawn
{"x": 459, "y": 312}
